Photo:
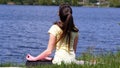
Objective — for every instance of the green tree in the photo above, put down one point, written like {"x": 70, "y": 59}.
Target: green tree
{"x": 3, "y": 1}
{"x": 92, "y": 1}
{"x": 49, "y": 2}
{"x": 17, "y": 1}
{"x": 75, "y": 2}
{"x": 35, "y": 2}
{"x": 114, "y": 3}
{"x": 56, "y": 2}
{"x": 39, "y": 1}
{"x": 42, "y": 2}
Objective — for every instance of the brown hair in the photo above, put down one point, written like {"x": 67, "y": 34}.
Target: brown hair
{"x": 66, "y": 23}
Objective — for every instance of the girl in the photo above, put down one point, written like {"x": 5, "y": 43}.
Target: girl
{"x": 63, "y": 38}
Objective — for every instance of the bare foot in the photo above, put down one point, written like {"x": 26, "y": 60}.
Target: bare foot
{"x": 48, "y": 58}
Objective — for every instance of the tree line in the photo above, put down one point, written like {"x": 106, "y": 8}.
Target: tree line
{"x": 39, "y": 2}
{"x": 114, "y": 3}
{"x": 111, "y": 3}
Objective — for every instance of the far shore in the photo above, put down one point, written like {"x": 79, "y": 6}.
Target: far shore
{"x": 13, "y": 3}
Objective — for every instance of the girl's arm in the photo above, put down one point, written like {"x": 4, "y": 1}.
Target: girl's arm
{"x": 47, "y": 52}
{"x": 75, "y": 43}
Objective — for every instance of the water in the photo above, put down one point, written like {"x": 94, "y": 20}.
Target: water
{"x": 23, "y": 29}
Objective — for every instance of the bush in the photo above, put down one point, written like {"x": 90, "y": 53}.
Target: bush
{"x": 114, "y": 3}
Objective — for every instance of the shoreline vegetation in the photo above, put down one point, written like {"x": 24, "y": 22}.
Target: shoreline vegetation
{"x": 103, "y": 60}
{"x": 88, "y": 3}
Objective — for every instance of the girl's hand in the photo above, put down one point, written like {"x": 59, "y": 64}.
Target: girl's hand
{"x": 30, "y": 58}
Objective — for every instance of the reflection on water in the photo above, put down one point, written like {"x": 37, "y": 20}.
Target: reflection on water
{"x": 23, "y": 29}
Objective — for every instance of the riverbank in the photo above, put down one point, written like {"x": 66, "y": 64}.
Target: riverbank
{"x": 89, "y": 5}
{"x": 109, "y": 60}
{"x": 105, "y": 3}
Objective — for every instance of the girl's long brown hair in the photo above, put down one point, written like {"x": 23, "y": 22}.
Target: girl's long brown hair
{"x": 66, "y": 23}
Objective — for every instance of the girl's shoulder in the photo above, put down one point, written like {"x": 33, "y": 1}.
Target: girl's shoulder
{"x": 55, "y": 26}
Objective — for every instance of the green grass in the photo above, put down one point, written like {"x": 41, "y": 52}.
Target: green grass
{"x": 9, "y": 64}
{"x": 109, "y": 60}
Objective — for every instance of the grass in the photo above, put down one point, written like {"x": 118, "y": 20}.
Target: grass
{"x": 109, "y": 60}
{"x": 11, "y": 65}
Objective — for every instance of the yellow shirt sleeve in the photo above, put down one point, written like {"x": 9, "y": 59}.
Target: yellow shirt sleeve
{"x": 53, "y": 30}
